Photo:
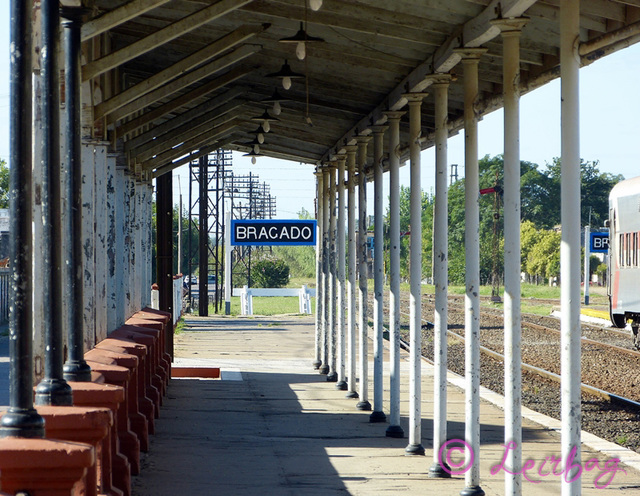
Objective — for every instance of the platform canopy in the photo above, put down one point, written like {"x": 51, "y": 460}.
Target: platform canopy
{"x": 176, "y": 77}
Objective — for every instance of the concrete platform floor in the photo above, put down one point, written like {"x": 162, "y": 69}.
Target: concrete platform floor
{"x": 273, "y": 426}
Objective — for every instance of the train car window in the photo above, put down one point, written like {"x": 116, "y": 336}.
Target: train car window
{"x": 621, "y": 258}
{"x": 635, "y": 249}
{"x": 628, "y": 249}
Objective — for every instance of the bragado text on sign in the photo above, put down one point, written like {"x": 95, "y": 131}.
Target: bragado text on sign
{"x": 273, "y": 232}
{"x": 599, "y": 242}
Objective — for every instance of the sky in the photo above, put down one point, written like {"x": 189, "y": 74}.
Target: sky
{"x": 610, "y": 106}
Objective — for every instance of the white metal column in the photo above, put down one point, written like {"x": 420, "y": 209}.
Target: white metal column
{"x": 351, "y": 272}
{"x": 378, "y": 277}
{"x": 341, "y": 302}
{"x": 113, "y": 318}
{"x": 440, "y": 274}
{"x": 415, "y": 260}
{"x": 470, "y": 60}
{"x": 324, "y": 368}
{"x": 511, "y": 30}
{"x": 319, "y": 296}
{"x": 570, "y": 244}
{"x": 363, "y": 273}
{"x": 394, "y": 429}
{"x": 332, "y": 376}
{"x": 100, "y": 241}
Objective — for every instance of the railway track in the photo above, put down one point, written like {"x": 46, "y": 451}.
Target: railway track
{"x": 552, "y": 376}
{"x": 611, "y": 378}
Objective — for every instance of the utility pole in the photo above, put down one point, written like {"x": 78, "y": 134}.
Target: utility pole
{"x": 587, "y": 256}
{"x": 180, "y": 229}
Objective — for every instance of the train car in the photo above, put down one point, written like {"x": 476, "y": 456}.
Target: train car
{"x": 624, "y": 255}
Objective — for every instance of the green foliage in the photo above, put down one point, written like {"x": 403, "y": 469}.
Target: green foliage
{"x": 304, "y": 214}
{"x": 405, "y": 226}
{"x": 195, "y": 252}
{"x": 300, "y": 259}
{"x": 544, "y": 258}
{"x": 594, "y": 192}
{"x": 185, "y": 242}
{"x": 602, "y": 270}
{"x": 490, "y": 175}
{"x": 540, "y": 213}
{"x": 4, "y": 184}
{"x": 269, "y": 273}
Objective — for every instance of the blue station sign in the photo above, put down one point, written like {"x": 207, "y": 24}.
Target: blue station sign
{"x": 599, "y": 242}
{"x": 253, "y": 232}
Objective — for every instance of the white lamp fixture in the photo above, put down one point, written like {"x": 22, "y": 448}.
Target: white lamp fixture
{"x": 315, "y": 4}
{"x": 286, "y": 75}
{"x": 259, "y": 134}
{"x": 276, "y": 98}
{"x": 265, "y": 119}
{"x": 301, "y": 38}
{"x": 253, "y": 156}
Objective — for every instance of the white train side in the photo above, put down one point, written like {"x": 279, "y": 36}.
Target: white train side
{"x": 624, "y": 255}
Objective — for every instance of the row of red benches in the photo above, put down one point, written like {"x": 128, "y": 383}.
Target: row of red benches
{"x": 94, "y": 446}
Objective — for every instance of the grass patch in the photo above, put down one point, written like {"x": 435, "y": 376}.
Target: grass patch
{"x": 622, "y": 439}
{"x": 179, "y": 326}
{"x": 536, "y": 309}
{"x": 267, "y": 305}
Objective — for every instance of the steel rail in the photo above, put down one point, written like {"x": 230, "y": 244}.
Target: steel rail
{"x": 585, "y": 388}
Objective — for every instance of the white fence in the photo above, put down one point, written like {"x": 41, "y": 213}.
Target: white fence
{"x": 246, "y": 295}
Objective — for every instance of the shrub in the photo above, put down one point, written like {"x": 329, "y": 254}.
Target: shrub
{"x": 269, "y": 273}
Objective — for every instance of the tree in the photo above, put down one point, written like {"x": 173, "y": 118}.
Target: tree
{"x": 185, "y": 242}
{"x": 544, "y": 258}
{"x": 594, "y": 191}
{"x": 304, "y": 214}
{"x": 405, "y": 226}
{"x": 4, "y": 184}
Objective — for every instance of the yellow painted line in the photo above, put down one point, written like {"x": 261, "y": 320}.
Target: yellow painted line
{"x": 601, "y": 314}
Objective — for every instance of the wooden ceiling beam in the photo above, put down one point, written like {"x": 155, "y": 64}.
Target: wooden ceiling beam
{"x": 206, "y": 150}
{"x": 115, "y": 17}
{"x": 473, "y": 34}
{"x": 357, "y": 23}
{"x": 198, "y": 126}
{"x": 222, "y": 103}
{"x": 179, "y": 102}
{"x": 160, "y": 37}
{"x": 138, "y": 99}
{"x": 178, "y": 70}
{"x": 193, "y": 143}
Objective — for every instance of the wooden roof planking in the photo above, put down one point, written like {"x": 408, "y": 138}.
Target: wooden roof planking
{"x": 190, "y": 74}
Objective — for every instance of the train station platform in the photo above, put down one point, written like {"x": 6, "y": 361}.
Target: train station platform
{"x": 272, "y": 425}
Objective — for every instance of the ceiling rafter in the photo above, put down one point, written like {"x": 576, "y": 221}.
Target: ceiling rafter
{"x": 182, "y": 100}
{"x": 115, "y": 17}
{"x": 136, "y": 101}
{"x": 217, "y": 103}
{"x": 159, "y": 38}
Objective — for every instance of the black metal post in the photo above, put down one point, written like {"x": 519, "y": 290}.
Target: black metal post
{"x": 21, "y": 420}
{"x": 164, "y": 252}
{"x": 76, "y": 368}
{"x": 53, "y": 389}
{"x": 250, "y": 217}
{"x": 203, "y": 240}
{"x": 190, "y": 235}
